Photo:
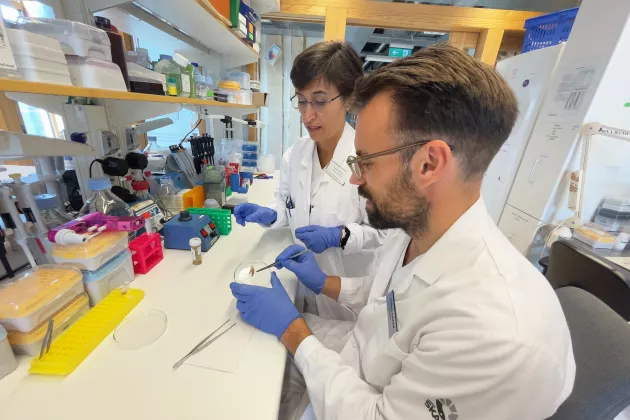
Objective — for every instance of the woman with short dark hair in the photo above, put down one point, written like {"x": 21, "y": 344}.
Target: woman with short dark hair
{"x": 315, "y": 197}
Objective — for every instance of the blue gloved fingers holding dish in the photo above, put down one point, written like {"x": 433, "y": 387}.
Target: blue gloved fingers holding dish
{"x": 253, "y": 213}
{"x": 268, "y": 309}
{"x": 304, "y": 266}
{"x": 319, "y": 238}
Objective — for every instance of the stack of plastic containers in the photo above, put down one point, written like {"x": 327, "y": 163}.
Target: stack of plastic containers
{"x": 87, "y": 49}
{"x": 30, "y": 300}
{"x": 39, "y": 58}
{"x": 250, "y": 157}
{"x": 104, "y": 259}
{"x": 214, "y": 183}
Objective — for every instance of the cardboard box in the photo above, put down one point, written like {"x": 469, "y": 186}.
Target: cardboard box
{"x": 260, "y": 99}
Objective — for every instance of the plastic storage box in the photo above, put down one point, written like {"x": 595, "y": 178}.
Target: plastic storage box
{"x": 31, "y": 298}
{"x": 7, "y": 359}
{"x": 95, "y": 73}
{"x": 76, "y": 38}
{"x": 113, "y": 274}
{"x": 30, "y": 343}
{"x": 613, "y": 213}
{"x": 595, "y": 236}
{"x": 39, "y": 58}
{"x": 146, "y": 252}
{"x": 242, "y": 78}
{"x": 545, "y": 31}
{"x": 92, "y": 254}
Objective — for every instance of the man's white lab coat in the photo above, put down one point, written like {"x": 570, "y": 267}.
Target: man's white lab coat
{"x": 481, "y": 336}
{"x": 330, "y": 205}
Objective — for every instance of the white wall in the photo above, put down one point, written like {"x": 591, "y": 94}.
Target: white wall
{"x": 284, "y": 125}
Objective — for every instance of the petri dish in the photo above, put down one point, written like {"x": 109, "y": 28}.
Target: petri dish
{"x": 246, "y": 273}
{"x": 141, "y": 329}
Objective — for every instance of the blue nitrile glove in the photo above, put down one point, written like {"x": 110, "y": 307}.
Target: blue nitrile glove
{"x": 253, "y": 213}
{"x": 268, "y": 309}
{"x": 305, "y": 267}
{"x": 319, "y": 238}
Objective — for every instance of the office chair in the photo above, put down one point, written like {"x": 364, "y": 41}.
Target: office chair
{"x": 570, "y": 267}
{"x": 601, "y": 340}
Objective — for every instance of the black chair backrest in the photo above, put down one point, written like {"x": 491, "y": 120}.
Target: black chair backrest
{"x": 601, "y": 340}
{"x": 570, "y": 267}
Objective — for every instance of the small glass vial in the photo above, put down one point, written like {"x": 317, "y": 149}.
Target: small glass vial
{"x": 195, "y": 248}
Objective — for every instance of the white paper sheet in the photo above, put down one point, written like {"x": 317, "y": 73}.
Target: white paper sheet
{"x": 622, "y": 261}
{"x": 226, "y": 353}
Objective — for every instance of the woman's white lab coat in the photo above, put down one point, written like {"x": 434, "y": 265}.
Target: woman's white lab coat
{"x": 341, "y": 205}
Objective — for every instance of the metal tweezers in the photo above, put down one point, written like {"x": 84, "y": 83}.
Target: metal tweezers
{"x": 204, "y": 343}
{"x": 47, "y": 339}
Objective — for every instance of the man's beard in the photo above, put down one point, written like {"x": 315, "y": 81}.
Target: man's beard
{"x": 401, "y": 208}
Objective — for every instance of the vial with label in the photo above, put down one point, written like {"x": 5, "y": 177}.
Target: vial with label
{"x": 195, "y": 248}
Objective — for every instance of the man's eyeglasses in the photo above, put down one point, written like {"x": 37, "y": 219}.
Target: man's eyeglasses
{"x": 354, "y": 162}
{"x": 318, "y": 105}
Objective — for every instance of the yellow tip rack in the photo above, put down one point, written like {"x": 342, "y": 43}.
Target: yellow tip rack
{"x": 75, "y": 344}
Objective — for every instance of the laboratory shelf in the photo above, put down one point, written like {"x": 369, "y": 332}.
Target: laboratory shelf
{"x": 201, "y": 22}
{"x": 23, "y": 86}
{"x": 19, "y": 144}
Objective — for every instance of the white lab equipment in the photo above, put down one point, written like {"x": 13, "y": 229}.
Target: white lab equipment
{"x": 30, "y": 343}
{"x": 91, "y": 255}
{"x": 114, "y": 273}
{"x": 584, "y": 88}
{"x": 8, "y": 363}
{"x": 529, "y": 76}
{"x": 31, "y": 298}
{"x": 39, "y": 58}
{"x": 95, "y": 73}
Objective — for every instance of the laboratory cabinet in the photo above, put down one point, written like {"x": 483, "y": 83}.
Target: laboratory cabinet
{"x": 518, "y": 227}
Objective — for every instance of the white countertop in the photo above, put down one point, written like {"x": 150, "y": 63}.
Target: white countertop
{"x": 113, "y": 383}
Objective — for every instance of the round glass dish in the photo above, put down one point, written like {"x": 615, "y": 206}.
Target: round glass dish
{"x": 246, "y": 273}
{"x": 141, "y": 329}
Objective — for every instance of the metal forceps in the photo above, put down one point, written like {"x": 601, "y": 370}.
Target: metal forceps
{"x": 204, "y": 343}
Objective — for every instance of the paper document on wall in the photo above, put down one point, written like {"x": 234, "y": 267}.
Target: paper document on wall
{"x": 576, "y": 84}
{"x": 622, "y": 261}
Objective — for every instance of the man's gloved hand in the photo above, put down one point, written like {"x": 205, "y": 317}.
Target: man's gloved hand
{"x": 253, "y": 213}
{"x": 268, "y": 309}
{"x": 305, "y": 267}
{"x": 319, "y": 238}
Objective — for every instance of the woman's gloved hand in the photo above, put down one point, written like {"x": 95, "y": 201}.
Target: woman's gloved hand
{"x": 305, "y": 267}
{"x": 253, "y": 213}
{"x": 319, "y": 238}
{"x": 268, "y": 309}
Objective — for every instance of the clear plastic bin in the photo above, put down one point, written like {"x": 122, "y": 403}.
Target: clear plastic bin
{"x": 30, "y": 343}
{"x": 241, "y": 77}
{"x": 613, "y": 213}
{"x": 31, "y": 298}
{"x": 92, "y": 254}
{"x": 76, "y": 38}
{"x": 7, "y": 359}
{"x": 95, "y": 73}
{"x": 113, "y": 274}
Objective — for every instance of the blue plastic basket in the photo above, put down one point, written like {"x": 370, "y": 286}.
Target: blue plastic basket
{"x": 552, "y": 29}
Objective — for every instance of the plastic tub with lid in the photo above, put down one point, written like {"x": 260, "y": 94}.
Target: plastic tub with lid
{"x": 7, "y": 359}
{"x": 76, "y": 38}
{"x": 95, "y": 73}
{"x": 31, "y": 298}
{"x": 30, "y": 343}
{"x": 113, "y": 274}
{"x": 92, "y": 254}
{"x": 229, "y": 85}
{"x": 39, "y": 58}
{"x": 242, "y": 78}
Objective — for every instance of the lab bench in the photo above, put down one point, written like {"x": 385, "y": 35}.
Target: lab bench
{"x": 139, "y": 384}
